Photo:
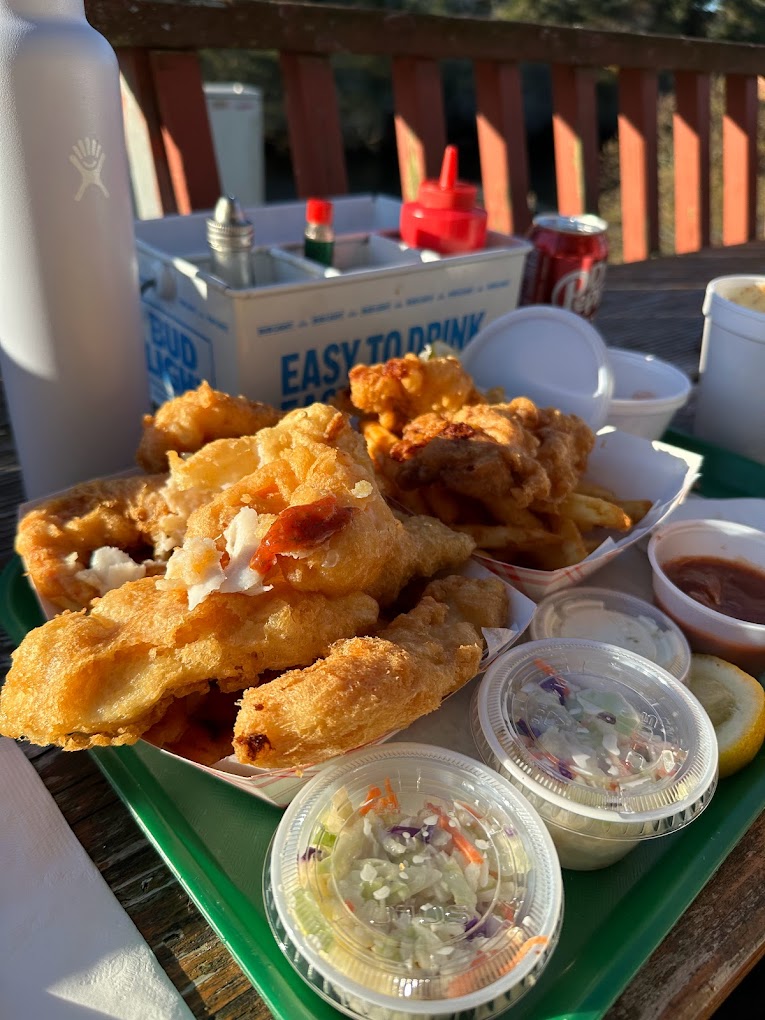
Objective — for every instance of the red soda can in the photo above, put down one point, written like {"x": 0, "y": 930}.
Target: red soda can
{"x": 567, "y": 265}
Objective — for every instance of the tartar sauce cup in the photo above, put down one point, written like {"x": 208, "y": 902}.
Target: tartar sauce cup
{"x": 414, "y": 881}
{"x": 608, "y": 747}
{"x": 615, "y": 618}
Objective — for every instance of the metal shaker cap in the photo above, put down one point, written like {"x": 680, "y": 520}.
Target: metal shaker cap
{"x": 228, "y": 229}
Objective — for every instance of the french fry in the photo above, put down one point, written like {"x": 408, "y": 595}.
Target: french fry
{"x": 379, "y": 440}
{"x": 593, "y": 512}
{"x": 506, "y": 510}
{"x": 585, "y": 488}
{"x": 503, "y": 536}
{"x": 569, "y": 549}
{"x": 635, "y": 509}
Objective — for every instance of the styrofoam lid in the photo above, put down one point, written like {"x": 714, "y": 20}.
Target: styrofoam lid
{"x": 548, "y": 354}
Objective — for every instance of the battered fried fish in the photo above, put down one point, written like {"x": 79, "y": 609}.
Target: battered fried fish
{"x": 316, "y": 516}
{"x": 369, "y": 686}
{"x": 105, "y": 677}
{"x": 57, "y": 538}
{"x": 186, "y": 423}
{"x": 403, "y": 388}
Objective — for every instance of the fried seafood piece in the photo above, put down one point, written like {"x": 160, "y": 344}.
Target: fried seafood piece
{"x": 565, "y": 443}
{"x": 313, "y": 514}
{"x": 493, "y": 452}
{"x": 369, "y": 686}
{"x": 57, "y": 539}
{"x": 186, "y": 423}
{"x": 404, "y": 388}
{"x": 199, "y": 727}
{"x": 425, "y": 547}
{"x": 107, "y": 676}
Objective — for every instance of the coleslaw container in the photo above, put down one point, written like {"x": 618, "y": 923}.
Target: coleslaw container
{"x": 413, "y": 881}
{"x": 608, "y": 747}
{"x": 616, "y": 618}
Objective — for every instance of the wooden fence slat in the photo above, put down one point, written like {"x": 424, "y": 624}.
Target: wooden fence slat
{"x": 739, "y": 143}
{"x": 420, "y": 121}
{"x": 639, "y": 188}
{"x": 149, "y": 172}
{"x": 316, "y": 138}
{"x": 185, "y": 129}
{"x": 502, "y": 146}
{"x": 690, "y": 128}
{"x": 575, "y": 135}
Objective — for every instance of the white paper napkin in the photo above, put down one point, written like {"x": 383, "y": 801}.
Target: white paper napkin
{"x": 68, "y": 950}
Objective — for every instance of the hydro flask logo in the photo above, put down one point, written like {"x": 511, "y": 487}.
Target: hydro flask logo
{"x": 88, "y": 156}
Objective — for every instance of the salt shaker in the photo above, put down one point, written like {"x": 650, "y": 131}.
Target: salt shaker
{"x": 71, "y": 350}
{"x": 229, "y": 239}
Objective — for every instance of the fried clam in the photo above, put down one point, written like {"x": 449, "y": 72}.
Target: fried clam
{"x": 186, "y": 423}
{"x": 120, "y": 520}
{"x": 369, "y": 686}
{"x": 107, "y": 676}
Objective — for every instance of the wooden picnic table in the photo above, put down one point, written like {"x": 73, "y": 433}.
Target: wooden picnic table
{"x": 652, "y": 306}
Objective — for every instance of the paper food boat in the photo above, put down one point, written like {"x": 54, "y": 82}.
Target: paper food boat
{"x": 632, "y": 468}
{"x": 279, "y": 786}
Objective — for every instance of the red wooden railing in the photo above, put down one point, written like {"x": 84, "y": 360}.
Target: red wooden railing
{"x": 169, "y": 137}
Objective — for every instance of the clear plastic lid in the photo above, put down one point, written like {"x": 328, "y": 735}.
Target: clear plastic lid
{"x": 414, "y": 878}
{"x": 591, "y": 731}
{"x": 614, "y": 618}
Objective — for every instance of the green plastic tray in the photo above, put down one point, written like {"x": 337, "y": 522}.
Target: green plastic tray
{"x": 215, "y": 838}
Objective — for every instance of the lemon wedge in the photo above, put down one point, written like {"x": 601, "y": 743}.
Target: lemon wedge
{"x": 735, "y": 702}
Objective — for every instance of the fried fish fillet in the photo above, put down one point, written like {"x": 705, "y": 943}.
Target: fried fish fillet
{"x": 369, "y": 686}
{"x": 105, "y": 677}
{"x": 322, "y": 515}
{"x": 186, "y": 423}
{"x": 57, "y": 538}
{"x": 403, "y": 388}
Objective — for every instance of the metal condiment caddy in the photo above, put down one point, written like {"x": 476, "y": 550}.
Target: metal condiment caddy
{"x": 291, "y": 337}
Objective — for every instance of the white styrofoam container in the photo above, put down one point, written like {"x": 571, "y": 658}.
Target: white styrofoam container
{"x": 292, "y": 339}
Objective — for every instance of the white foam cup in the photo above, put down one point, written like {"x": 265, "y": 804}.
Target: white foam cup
{"x": 647, "y": 393}
{"x": 730, "y": 410}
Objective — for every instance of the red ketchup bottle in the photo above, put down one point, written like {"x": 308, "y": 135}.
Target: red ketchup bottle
{"x": 445, "y": 217}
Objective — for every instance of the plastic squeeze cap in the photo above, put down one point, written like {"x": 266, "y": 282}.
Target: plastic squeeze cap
{"x": 318, "y": 210}
{"x": 448, "y": 192}
{"x": 445, "y": 217}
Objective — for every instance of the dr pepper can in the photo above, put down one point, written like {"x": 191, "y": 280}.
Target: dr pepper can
{"x": 567, "y": 265}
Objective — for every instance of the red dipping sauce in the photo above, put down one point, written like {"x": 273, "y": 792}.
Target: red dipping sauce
{"x": 729, "y": 587}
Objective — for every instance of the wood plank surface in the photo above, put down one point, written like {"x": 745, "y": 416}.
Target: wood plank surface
{"x": 707, "y": 953}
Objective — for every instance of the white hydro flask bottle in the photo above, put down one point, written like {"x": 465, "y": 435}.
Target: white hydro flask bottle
{"x": 71, "y": 351}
